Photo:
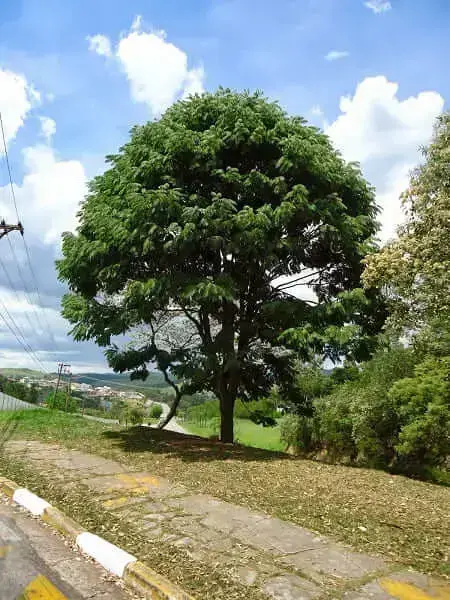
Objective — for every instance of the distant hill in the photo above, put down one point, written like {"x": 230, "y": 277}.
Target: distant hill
{"x": 22, "y": 373}
{"x": 118, "y": 381}
{"x": 113, "y": 380}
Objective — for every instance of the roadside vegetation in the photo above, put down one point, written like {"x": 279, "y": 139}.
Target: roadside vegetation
{"x": 192, "y": 245}
{"x": 19, "y": 390}
{"x": 372, "y": 510}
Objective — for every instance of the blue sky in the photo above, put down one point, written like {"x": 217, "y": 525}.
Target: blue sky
{"x": 76, "y": 75}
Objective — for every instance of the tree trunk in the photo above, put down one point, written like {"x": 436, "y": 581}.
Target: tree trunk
{"x": 227, "y": 401}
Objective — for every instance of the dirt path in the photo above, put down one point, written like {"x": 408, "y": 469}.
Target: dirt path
{"x": 284, "y": 561}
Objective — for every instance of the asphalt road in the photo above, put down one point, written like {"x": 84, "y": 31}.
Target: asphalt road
{"x": 172, "y": 425}
{"x": 38, "y": 564}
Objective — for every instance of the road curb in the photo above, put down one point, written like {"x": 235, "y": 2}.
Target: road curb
{"x": 134, "y": 573}
{"x": 146, "y": 581}
{"x": 64, "y": 524}
{"x": 8, "y": 487}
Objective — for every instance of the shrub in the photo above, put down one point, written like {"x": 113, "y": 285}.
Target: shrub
{"x": 132, "y": 415}
{"x": 155, "y": 411}
{"x": 136, "y": 416}
{"x": 19, "y": 390}
{"x": 263, "y": 412}
{"x": 59, "y": 401}
{"x": 333, "y": 416}
{"x": 296, "y": 431}
{"x": 203, "y": 413}
{"x": 422, "y": 403}
{"x": 358, "y": 419}
{"x": 117, "y": 409}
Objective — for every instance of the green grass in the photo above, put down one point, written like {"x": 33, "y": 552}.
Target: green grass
{"x": 246, "y": 433}
{"x": 373, "y": 511}
{"x": 48, "y": 426}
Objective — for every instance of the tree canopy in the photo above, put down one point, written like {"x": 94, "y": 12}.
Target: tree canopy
{"x": 207, "y": 222}
{"x": 414, "y": 269}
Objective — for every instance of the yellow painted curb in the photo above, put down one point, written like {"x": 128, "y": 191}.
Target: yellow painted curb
{"x": 62, "y": 522}
{"x": 8, "y": 487}
{"x": 154, "y": 586}
{"x": 136, "y": 575}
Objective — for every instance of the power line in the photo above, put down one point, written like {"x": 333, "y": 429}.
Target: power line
{"x": 25, "y": 286}
{"x": 27, "y": 251}
{"x": 47, "y": 324}
{"x": 28, "y": 349}
{"x": 12, "y": 286}
{"x": 20, "y": 332}
{"x": 8, "y": 165}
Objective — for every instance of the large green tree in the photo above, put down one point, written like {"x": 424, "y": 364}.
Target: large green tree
{"x": 207, "y": 222}
{"x": 414, "y": 269}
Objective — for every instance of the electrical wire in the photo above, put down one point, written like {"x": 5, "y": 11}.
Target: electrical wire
{"x": 27, "y": 251}
{"x": 12, "y": 286}
{"x": 28, "y": 349}
{"x": 25, "y": 287}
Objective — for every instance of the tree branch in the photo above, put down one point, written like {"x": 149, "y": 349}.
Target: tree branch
{"x": 175, "y": 403}
{"x": 288, "y": 284}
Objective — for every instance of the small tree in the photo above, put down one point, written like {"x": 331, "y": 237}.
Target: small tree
{"x": 211, "y": 216}
{"x": 156, "y": 411}
{"x": 132, "y": 415}
{"x": 117, "y": 408}
{"x": 60, "y": 401}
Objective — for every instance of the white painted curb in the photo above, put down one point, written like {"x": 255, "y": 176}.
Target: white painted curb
{"x": 30, "y": 501}
{"x": 111, "y": 557}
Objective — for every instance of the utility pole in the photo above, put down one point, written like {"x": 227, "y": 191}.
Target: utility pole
{"x": 68, "y": 388}
{"x": 5, "y": 228}
{"x": 61, "y": 366}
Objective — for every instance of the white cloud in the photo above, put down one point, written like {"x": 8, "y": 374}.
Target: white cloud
{"x": 316, "y": 111}
{"x": 48, "y": 127}
{"x": 99, "y": 44}
{"x": 194, "y": 82}
{"x": 384, "y": 134}
{"x": 17, "y": 97}
{"x": 378, "y": 6}
{"x": 51, "y": 191}
{"x": 336, "y": 54}
{"x": 156, "y": 69}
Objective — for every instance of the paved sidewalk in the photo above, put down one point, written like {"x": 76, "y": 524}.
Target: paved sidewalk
{"x": 285, "y": 561}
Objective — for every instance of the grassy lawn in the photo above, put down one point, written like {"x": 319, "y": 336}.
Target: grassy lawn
{"x": 374, "y": 511}
{"x": 246, "y": 433}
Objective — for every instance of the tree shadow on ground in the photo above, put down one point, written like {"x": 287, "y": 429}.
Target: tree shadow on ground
{"x": 189, "y": 448}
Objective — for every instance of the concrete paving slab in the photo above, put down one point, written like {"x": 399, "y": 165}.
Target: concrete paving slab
{"x": 208, "y": 538}
{"x": 245, "y": 575}
{"x": 333, "y": 561}
{"x": 406, "y": 585}
{"x": 218, "y": 515}
{"x": 143, "y": 483}
{"x": 284, "y": 560}
{"x": 279, "y": 537}
{"x": 78, "y": 461}
{"x": 290, "y": 587}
